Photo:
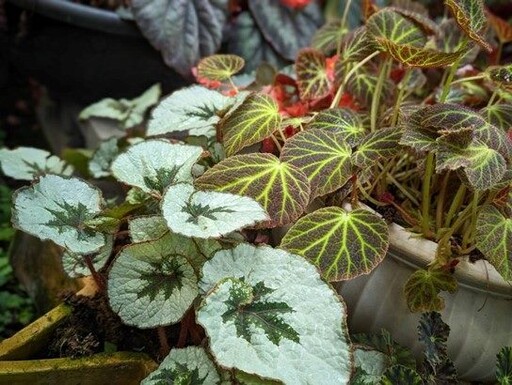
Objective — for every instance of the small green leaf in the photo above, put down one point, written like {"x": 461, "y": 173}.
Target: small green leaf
{"x": 281, "y": 188}
{"x": 342, "y": 244}
{"x": 452, "y": 39}
{"x": 75, "y": 265}
{"x": 504, "y": 366}
{"x": 208, "y": 214}
{"x": 27, "y": 163}
{"x": 328, "y": 38}
{"x": 152, "y": 284}
{"x": 412, "y": 56}
{"x": 423, "y": 287}
{"x": 381, "y": 144}
{"x": 323, "y": 156}
{"x": 501, "y": 75}
{"x": 57, "y": 208}
{"x": 259, "y": 317}
{"x": 103, "y": 224}
{"x": 312, "y": 74}
{"x": 153, "y": 165}
{"x": 499, "y": 115}
{"x": 195, "y": 110}
{"x": 219, "y": 67}
{"x": 343, "y": 121}
{"x": 147, "y": 228}
{"x": 470, "y": 17}
{"x": 99, "y": 165}
{"x": 494, "y": 239}
{"x": 254, "y": 120}
{"x": 391, "y": 25}
{"x": 187, "y": 366}
{"x": 400, "y": 375}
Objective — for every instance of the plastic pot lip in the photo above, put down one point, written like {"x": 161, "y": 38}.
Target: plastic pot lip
{"x": 82, "y": 16}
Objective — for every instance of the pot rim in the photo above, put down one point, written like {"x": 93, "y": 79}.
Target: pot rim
{"x": 479, "y": 276}
{"x": 81, "y": 15}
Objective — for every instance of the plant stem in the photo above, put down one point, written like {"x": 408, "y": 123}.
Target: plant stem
{"x": 469, "y": 234}
{"x": 451, "y": 74}
{"x": 276, "y": 142}
{"x": 95, "y": 275}
{"x": 376, "y": 95}
{"x": 500, "y": 49}
{"x": 457, "y": 202}
{"x": 345, "y": 14}
{"x": 164, "y": 343}
{"x": 347, "y": 77}
{"x": 441, "y": 200}
{"x": 468, "y": 79}
{"x": 399, "y": 98}
{"x": 493, "y": 97}
{"x": 425, "y": 195}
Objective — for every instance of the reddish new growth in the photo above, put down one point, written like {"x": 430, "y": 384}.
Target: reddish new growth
{"x": 296, "y": 3}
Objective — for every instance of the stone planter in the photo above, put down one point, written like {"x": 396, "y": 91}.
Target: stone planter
{"x": 478, "y": 313}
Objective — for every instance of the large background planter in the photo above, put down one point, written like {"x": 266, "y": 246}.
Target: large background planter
{"x": 478, "y": 313}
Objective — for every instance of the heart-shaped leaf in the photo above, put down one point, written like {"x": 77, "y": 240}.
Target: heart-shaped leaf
{"x": 312, "y": 74}
{"x": 470, "y": 17}
{"x": 286, "y": 29}
{"x": 75, "y": 264}
{"x": 502, "y": 28}
{"x": 147, "y": 228}
{"x": 219, "y": 67}
{"x": 154, "y": 283}
{"x": 194, "y": 109}
{"x": 128, "y": 113}
{"x": 342, "y": 121}
{"x": 153, "y": 165}
{"x": 391, "y": 25}
{"x": 499, "y": 115}
{"x": 57, "y": 208}
{"x": 27, "y": 163}
{"x": 504, "y": 366}
{"x": 400, "y": 375}
{"x": 328, "y": 38}
{"x": 381, "y": 144}
{"x": 249, "y": 43}
{"x": 208, "y": 214}
{"x": 423, "y": 287}
{"x": 494, "y": 239}
{"x": 342, "y": 244}
{"x": 281, "y": 188}
{"x": 101, "y": 161}
{"x": 254, "y": 120}
{"x": 323, "y": 156}
{"x": 256, "y": 303}
{"x": 412, "y": 56}
{"x": 187, "y": 366}
{"x": 369, "y": 366}
{"x": 183, "y": 30}
{"x": 356, "y": 46}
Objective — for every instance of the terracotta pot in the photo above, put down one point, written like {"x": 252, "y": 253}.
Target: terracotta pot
{"x": 478, "y": 313}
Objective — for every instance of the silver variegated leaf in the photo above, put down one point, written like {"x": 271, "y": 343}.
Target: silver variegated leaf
{"x": 75, "y": 266}
{"x": 99, "y": 165}
{"x": 147, "y": 228}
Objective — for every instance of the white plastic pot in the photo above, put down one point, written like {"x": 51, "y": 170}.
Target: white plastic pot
{"x": 479, "y": 313}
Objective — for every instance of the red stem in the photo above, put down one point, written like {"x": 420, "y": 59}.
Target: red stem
{"x": 95, "y": 275}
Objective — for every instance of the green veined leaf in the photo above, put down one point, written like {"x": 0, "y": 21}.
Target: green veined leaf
{"x": 184, "y": 31}
{"x": 328, "y": 38}
{"x": 369, "y": 366}
{"x": 99, "y": 165}
{"x": 391, "y": 25}
{"x": 362, "y": 87}
{"x": 152, "y": 283}
{"x": 279, "y": 318}
{"x": 187, "y": 366}
{"x": 323, "y": 156}
{"x": 470, "y": 17}
{"x": 343, "y": 121}
{"x": 419, "y": 57}
{"x": 75, "y": 265}
{"x": 342, "y": 244}
{"x": 56, "y": 208}
{"x": 219, "y": 67}
{"x": 155, "y": 164}
{"x": 499, "y": 115}
{"x": 420, "y": 18}
{"x": 194, "y": 109}
{"x": 312, "y": 74}
{"x": 423, "y": 287}
{"x": 147, "y": 228}
{"x": 286, "y": 29}
{"x": 27, "y": 163}
{"x": 208, "y": 214}
{"x": 502, "y": 28}
{"x": 504, "y": 366}
{"x": 400, "y": 375}
{"x": 128, "y": 113}
{"x": 494, "y": 239}
{"x": 381, "y": 144}
{"x": 254, "y": 120}
{"x": 282, "y": 189}
{"x": 356, "y": 46}
{"x": 501, "y": 75}
{"x": 452, "y": 39}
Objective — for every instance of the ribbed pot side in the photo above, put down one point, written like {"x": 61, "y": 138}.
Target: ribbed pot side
{"x": 479, "y": 313}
